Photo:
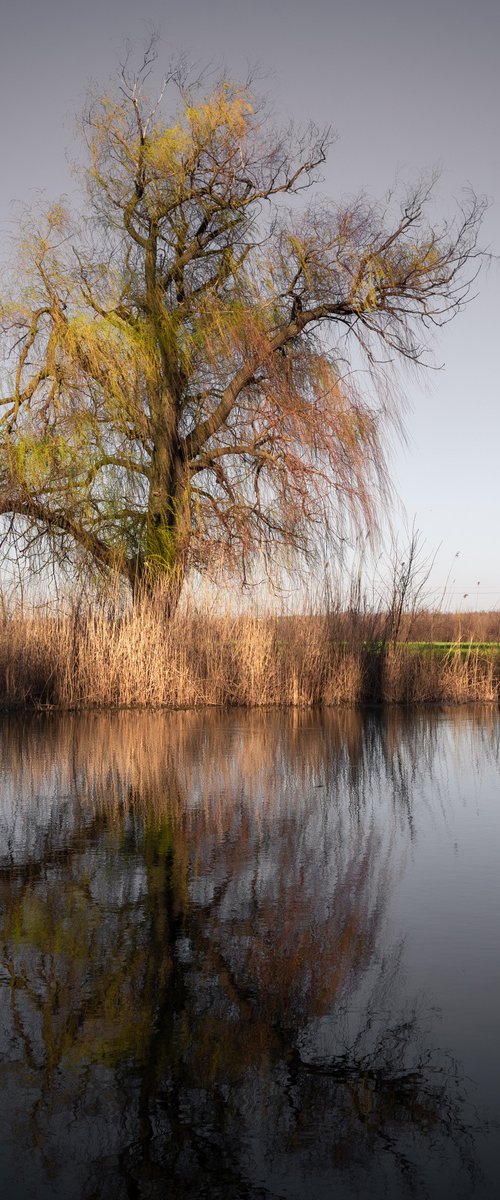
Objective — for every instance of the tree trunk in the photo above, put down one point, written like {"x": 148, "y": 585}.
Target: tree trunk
{"x": 163, "y": 565}
{"x": 162, "y": 589}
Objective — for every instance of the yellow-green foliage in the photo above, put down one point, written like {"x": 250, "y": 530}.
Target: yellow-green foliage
{"x": 34, "y": 460}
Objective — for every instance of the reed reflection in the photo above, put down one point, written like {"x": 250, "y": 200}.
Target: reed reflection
{"x": 196, "y": 980}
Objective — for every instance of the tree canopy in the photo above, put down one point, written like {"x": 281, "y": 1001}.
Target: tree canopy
{"x": 182, "y": 360}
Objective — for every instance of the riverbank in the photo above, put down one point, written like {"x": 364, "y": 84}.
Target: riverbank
{"x": 76, "y": 660}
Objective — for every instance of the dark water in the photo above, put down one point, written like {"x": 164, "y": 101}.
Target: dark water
{"x": 254, "y": 955}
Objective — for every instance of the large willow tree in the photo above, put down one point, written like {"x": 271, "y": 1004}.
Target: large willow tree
{"x": 179, "y": 382}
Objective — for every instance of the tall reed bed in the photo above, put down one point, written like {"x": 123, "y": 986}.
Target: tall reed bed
{"x": 81, "y": 657}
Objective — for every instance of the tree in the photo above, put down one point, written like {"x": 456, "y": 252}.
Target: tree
{"x": 182, "y": 359}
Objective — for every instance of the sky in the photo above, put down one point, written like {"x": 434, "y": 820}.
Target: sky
{"x": 407, "y": 87}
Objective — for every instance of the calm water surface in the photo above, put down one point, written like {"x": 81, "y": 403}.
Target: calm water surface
{"x": 254, "y": 955}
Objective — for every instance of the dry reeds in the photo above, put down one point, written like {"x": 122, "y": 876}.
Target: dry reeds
{"x": 97, "y": 657}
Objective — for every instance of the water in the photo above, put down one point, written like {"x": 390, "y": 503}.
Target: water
{"x": 253, "y": 955}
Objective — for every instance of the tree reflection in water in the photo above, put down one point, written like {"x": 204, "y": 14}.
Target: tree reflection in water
{"x": 197, "y": 984}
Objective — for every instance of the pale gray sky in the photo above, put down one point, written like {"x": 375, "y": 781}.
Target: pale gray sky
{"x": 407, "y": 86}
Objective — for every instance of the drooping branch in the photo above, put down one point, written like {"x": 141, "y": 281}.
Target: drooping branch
{"x": 60, "y": 524}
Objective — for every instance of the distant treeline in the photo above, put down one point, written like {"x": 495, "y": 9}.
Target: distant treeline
{"x": 452, "y": 626}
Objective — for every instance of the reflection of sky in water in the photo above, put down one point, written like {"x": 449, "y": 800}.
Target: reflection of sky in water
{"x": 249, "y": 951}
{"x": 24, "y": 821}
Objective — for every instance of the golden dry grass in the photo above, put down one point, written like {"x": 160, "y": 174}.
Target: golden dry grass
{"x": 83, "y": 658}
